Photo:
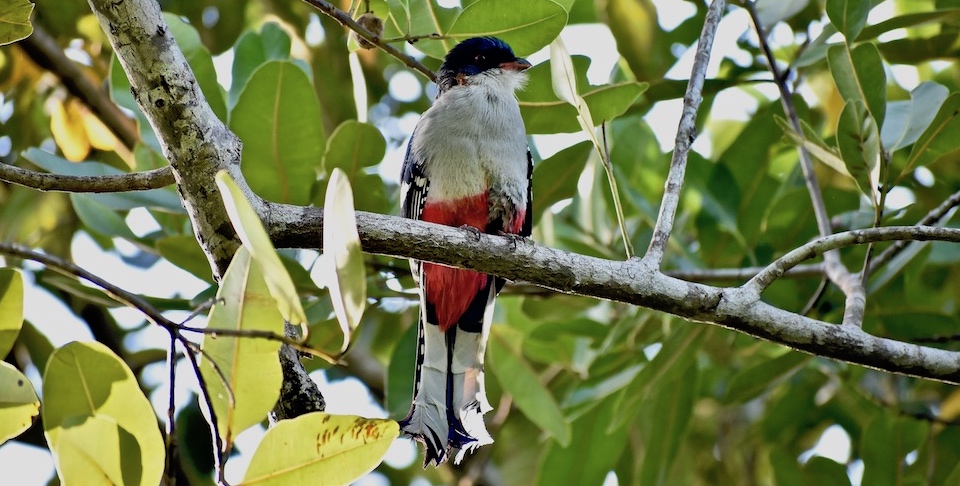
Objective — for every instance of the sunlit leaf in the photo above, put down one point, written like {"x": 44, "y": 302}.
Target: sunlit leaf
{"x": 813, "y": 144}
{"x": 423, "y": 17}
{"x": 251, "y": 232}
{"x": 15, "y": 21}
{"x": 341, "y": 248}
{"x": 97, "y": 420}
{"x": 278, "y": 118}
{"x": 320, "y": 449}
{"x": 66, "y": 126}
{"x": 528, "y": 392}
{"x": 11, "y": 307}
{"x": 772, "y": 11}
{"x": 252, "y": 50}
{"x": 242, "y": 374}
{"x": 19, "y": 404}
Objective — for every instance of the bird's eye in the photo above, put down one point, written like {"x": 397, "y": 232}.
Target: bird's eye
{"x": 479, "y": 58}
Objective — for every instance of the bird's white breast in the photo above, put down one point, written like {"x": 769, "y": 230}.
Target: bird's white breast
{"x": 473, "y": 139}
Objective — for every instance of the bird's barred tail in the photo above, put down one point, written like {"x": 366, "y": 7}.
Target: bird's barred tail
{"x": 449, "y": 399}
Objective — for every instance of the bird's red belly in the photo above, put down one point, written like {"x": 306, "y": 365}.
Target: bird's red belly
{"x": 451, "y": 290}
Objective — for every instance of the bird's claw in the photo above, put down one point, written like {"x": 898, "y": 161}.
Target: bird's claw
{"x": 515, "y": 239}
{"x": 470, "y": 229}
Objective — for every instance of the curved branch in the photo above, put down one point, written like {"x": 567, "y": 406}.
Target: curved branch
{"x": 848, "y": 238}
{"x": 346, "y": 21}
{"x": 686, "y": 134}
{"x": 850, "y": 284}
{"x": 42, "y": 181}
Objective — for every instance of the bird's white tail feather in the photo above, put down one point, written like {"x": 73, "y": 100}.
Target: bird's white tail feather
{"x": 462, "y": 429}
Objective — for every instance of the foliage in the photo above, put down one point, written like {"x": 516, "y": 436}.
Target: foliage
{"x": 582, "y": 389}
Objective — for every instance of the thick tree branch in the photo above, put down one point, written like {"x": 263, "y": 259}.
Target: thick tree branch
{"x": 193, "y": 139}
{"x": 44, "y": 50}
{"x": 41, "y": 181}
{"x": 633, "y": 281}
{"x": 686, "y": 134}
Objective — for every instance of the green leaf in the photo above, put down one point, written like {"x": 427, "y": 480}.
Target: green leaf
{"x": 15, "y": 21}
{"x": 100, "y": 218}
{"x": 907, "y": 20}
{"x": 678, "y": 352}
{"x": 278, "y": 118}
{"x": 184, "y": 252}
{"x": 527, "y": 26}
{"x": 242, "y": 374}
{"x": 859, "y": 75}
{"x": 940, "y": 137}
{"x": 666, "y": 416}
{"x": 320, "y": 449}
{"x": 848, "y": 16}
{"x": 97, "y": 420}
{"x": 19, "y": 404}
{"x": 252, "y": 50}
{"x": 820, "y": 470}
{"x": 353, "y": 146}
{"x": 814, "y": 144}
{"x": 544, "y": 112}
{"x": 11, "y": 308}
{"x": 786, "y": 470}
{"x": 400, "y": 373}
{"x": 555, "y": 178}
{"x": 201, "y": 63}
{"x": 884, "y": 446}
{"x": 858, "y": 139}
{"x": 571, "y": 464}
{"x": 907, "y": 120}
{"x": 341, "y": 248}
{"x": 751, "y": 382}
{"x": 520, "y": 381}
{"x": 254, "y": 237}
{"x": 420, "y": 17}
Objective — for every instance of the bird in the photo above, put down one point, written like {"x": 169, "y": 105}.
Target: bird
{"x": 467, "y": 165}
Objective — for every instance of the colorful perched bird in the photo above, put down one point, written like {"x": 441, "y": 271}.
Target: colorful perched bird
{"x": 467, "y": 165}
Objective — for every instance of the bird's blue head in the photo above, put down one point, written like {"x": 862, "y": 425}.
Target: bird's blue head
{"x": 475, "y": 56}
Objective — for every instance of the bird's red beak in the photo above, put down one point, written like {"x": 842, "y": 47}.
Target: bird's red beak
{"x": 520, "y": 64}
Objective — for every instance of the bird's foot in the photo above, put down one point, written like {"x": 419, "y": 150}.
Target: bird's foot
{"x": 515, "y": 239}
{"x": 470, "y": 229}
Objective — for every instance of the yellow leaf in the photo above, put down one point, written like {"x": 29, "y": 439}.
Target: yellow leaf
{"x": 68, "y": 131}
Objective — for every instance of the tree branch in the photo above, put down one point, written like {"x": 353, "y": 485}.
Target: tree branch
{"x": 686, "y": 134}
{"x": 633, "y": 282}
{"x": 850, "y": 284}
{"x": 345, "y": 20}
{"x": 41, "y": 181}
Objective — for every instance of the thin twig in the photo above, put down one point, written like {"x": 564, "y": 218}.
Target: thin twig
{"x": 615, "y": 192}
{"x": 221, "y": 458}
{"x": 686, "y": 133}
{"x": 345, "y": 20}
{"x": 931, "y": 218}
{"x": 171, "y": 409}
{"x": 741, "y": 274}
{"x": 134, "y": 181}
{"x": 849, "y": 283}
